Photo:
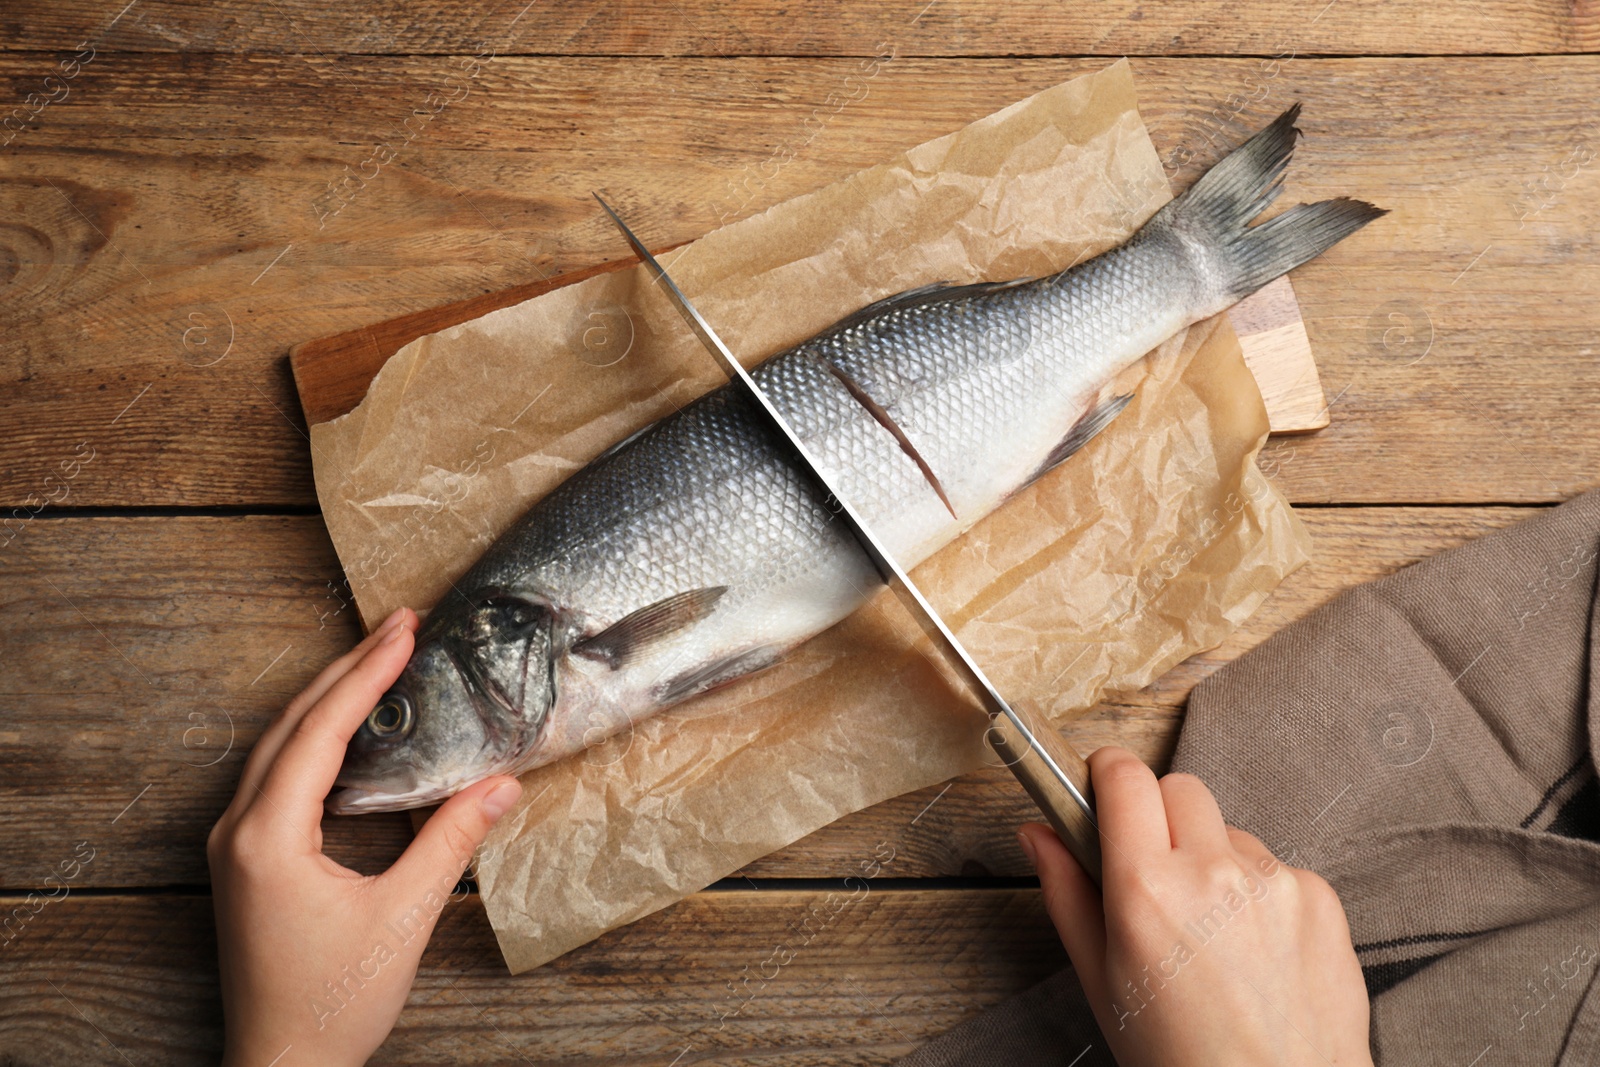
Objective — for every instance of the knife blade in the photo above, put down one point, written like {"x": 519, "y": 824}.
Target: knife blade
{"x": 1049, "y": 768}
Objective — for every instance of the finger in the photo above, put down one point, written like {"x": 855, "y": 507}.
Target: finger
{"x": 1073, "y": 901}
{"x": 1255, "y": 854}
{"x": 299, "y": 779}
{"x": 1193, "y": 819}
{"x": 1130, "y": 810}
{"x": 278, "y": 731}
{"x": 446, "y": 842}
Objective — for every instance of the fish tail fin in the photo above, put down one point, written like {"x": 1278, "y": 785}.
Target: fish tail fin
{"x": 1216, "y": 211}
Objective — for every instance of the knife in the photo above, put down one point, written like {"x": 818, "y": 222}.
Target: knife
{"x": 1048, "y": 767}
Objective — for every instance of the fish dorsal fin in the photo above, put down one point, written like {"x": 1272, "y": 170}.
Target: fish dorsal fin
{"x": 1083, "y": 431}
{"x": 621, "y": 639}
{"x": 625, "y": 442}
{"x": 924, "y": 294}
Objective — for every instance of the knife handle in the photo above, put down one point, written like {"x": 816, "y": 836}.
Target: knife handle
{"x": 1077, "y": 830}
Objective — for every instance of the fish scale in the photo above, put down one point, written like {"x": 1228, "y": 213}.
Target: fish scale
{"x": 696, "y": 551}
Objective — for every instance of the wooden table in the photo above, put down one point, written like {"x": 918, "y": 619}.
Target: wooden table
{"x": 187, "y": 191}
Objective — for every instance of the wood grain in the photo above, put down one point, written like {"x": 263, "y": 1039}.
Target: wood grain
{"x": 124, "y": 679}
{"x": 119, "y": 980}
{"x": 170, "y": 208}
{"x": 204, "y": 197}
{"x": 914, "y": 27}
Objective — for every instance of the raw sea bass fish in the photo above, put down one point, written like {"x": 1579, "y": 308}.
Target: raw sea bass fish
{"x": 694, "y": 552}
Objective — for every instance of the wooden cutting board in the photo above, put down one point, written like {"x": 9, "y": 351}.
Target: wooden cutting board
{"x": 332, "y": 374}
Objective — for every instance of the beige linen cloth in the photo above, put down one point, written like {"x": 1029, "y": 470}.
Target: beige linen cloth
{"x": 1425, "y": 742}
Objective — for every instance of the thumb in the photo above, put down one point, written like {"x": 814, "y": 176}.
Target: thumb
{"x": 446, "y": 842}
{"x": 1072, "y": 899}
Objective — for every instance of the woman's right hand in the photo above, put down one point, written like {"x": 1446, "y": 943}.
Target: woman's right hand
{"x": 1202, "y": 948}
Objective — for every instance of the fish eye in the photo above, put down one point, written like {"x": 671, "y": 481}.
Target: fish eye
{"x": 392, "y": 717}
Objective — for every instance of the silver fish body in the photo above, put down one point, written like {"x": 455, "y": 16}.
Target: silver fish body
{"x": 696, "y": 552}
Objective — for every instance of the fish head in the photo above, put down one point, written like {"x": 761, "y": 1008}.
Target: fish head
{"x": 471, "y": 702}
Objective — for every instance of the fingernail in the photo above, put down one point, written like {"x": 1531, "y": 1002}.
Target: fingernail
{"x": 393, "y": 620}
{"x": 1027, "y": 846}
{"x": 497, "y": 801}
{"x": 392, "y": 635}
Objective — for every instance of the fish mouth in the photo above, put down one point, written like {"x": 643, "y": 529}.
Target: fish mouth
{"x": 356, "y": 800}
{"x": 402, "y": 796}
{"x": 398, "y": 792}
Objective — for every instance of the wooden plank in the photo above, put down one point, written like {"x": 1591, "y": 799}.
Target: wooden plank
{"x": 1273, "y": 338}
{"x": 123, "y": 679}
{"x": 118, "y": 980}
{"x": 1455, "y": 336}
{"x": 913, "y": 27}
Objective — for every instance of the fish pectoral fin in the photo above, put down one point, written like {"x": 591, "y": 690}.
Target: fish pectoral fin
{"x": 1083, "y": 431}
{"x": 718, "y": 672}
{"x": 613, "y": 645}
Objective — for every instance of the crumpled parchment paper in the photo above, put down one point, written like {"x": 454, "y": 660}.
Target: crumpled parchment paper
{"x": 1150, "y": 545}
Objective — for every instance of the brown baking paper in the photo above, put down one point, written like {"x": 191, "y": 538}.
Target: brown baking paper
{"x": 1150, "y": 545}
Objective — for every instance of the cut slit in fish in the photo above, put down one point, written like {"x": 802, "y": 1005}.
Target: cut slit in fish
{"x": 877, "y": 411}
{"x": 911, "y": 298}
